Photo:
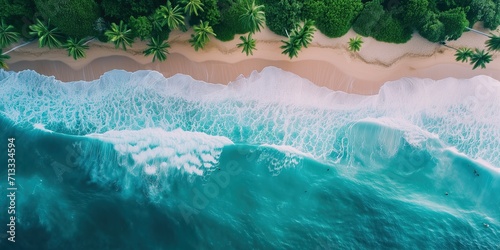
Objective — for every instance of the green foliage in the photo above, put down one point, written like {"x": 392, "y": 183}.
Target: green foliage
{"x": 3, "y": 58}
{"x": 338, "y": 16}
{"x": 247, "y": 45}
{"x": 209, "y": 14}
{"x": 412, "y": 12}
{"x": 157, "y": 21}
{"x": 493, "y": 44}
{"x": 312, "y": 9}
{"x": 392, "y": 31}
{"x": 253, "y": 17}
{"x": 230, "y": 24}
{"x": 120, "y": 35}
{"x": 74, "y": 18}
{"x": 480, "y": 58}
{"x": 480, "y": 9}
{"x": 355, "y": 43}
{"x": 446, "y": 25}
{"x": 47, "y": 35}
{"x": 158, "y": 48}
{"x": 305, "y": 33}
{"x": 291, "y": 47}
{"x": 463, "y": 55}
{"x": 76, "y": 48}
{"x": 299, "y": 37}
{"x": 200, "y": 37}
{"x": 7, "y": 35}
{"x": 374, "y": 21}
{"x": 124, "y": 9}
{"x": 454, "y": 21}
{"x": 141, "y": 27}
{"x": 432, "y": 29}
{"x": 192, "y": 7}
{"x": 368, "y": 21}
{"x": 491, "y": 19}
{"x": 172, "y": 16}
{"x": 17, "y": 12}
{"x": 282, "y": 16}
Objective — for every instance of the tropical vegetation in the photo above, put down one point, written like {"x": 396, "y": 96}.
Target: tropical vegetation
{"x": 200, "y": 37}
{"x": 253, "y": 17}
{"x": 247, "y": 44}
{"x": 122, "y": 21}
{"x": 355, "y": 44}
{"x": 76, "y": 48}
{"x": 120, "y": 35}
{"x": 170, "y": 16}
{"x": 301, "y": 36}
{"x": 291, "y": 47}
{"x": 305, "y": 33}
{"x": 192, "y": 7}
{"x": 157, "y": 48}
{"x": 3, "y": 58}
{"x": 480, "y": 58}
{"x": 47, "y": 35}
{"x": 463, "y": 55}
{"x": 7, "y": 34}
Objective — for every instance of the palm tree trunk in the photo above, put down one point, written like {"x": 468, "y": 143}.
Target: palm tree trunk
{"x": 17, "y": 47}
{"x": 478, "y": 32}
{"x": 90, "y": 40}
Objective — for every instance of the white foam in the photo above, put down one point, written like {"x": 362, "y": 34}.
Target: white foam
{"x": 155, "y": 150}
{"x": 413, "y": 134}
{"x": 272, "y": 107}
{"x": 288, "y": 149}
{"x": 41, "y": 127}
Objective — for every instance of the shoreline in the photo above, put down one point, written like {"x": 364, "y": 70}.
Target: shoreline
{"x": 326, "y": 62}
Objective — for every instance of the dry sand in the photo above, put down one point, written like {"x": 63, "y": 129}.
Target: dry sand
{"x": 326, "y": 62}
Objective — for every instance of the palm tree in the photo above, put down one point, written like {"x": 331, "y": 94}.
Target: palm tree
{"x": 192, "y": 6}
{"x": 47, "y": 36}
{"x": 248, "y": 44}
{"x": 254, "y": 16}
{"x": 493, "y": 43}
{"x": 120, "y": 35}
{"x": 463, "y": 54}
{"x": 158, "y": 49}
{"x": 3, "y": 64}
{"x": 76, "y": 49}
{"x": 7, "y": 35}
{"x": 355, "y": 43}
{"x": 157, "y": 21}
{"x": 172, "y": 17}
{"x": 305, "y": 33}
{"x": 200, "y": 37}
{"x": 480, "y": 58}
{"x": 291, "y": 47}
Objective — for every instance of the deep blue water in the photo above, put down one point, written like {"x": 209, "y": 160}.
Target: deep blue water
{"x": 137, "y": 161}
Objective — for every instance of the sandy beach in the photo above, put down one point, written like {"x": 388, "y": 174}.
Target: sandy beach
{"x": 327, "y": 62}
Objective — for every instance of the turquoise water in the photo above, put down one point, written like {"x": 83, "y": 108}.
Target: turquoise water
{"x": 137, "y": 161}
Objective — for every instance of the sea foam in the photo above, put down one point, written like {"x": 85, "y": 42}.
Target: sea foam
{"x": 271, "y": 107}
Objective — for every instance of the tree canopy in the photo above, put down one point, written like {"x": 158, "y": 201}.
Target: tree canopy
{"x": 338, "y": 16}
{"x": 123, "y": 9}
{"x": 74, "y": 18}
{"x": 393, "y": 21}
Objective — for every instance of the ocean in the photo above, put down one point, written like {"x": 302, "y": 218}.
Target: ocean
{"x": 139, "y": 161}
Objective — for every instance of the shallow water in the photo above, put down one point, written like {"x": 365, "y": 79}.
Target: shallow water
{"x": 134, "y": 160}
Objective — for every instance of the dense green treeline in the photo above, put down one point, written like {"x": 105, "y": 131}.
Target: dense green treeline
{"x": 70, "y": 24}
{"x": 385, "y": 20}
